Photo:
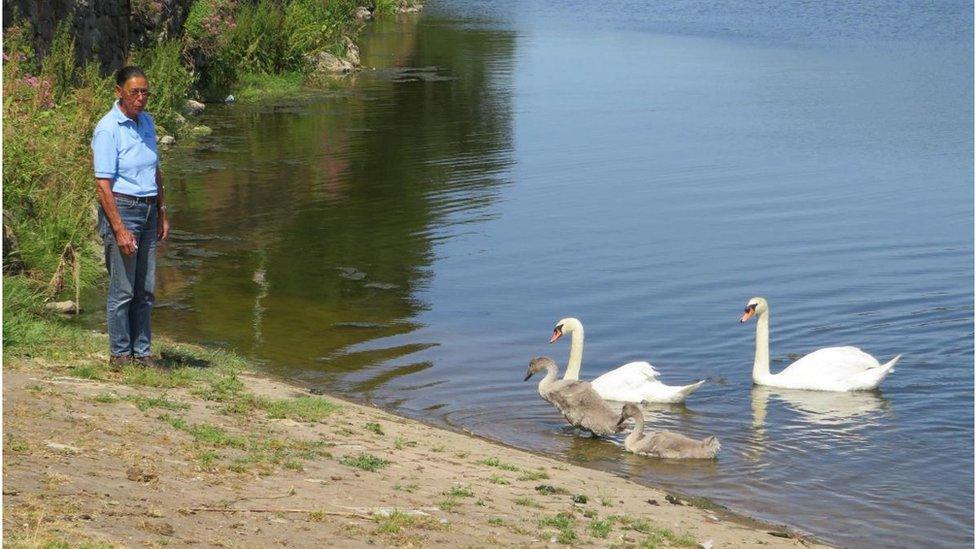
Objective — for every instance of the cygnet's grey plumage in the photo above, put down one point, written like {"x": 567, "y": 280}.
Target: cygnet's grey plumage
{"x": 579, "y": 403}
{"x": 665, "y": 444}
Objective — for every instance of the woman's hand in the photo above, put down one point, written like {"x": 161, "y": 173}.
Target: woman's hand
{"x": 125, "y": 241}
{"x": 162, "y": 228}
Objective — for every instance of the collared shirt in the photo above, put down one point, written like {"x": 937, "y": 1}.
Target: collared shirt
{"x": 125, "y": 152}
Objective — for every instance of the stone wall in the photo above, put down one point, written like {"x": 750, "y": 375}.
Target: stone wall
{"x": 103, "y": 29}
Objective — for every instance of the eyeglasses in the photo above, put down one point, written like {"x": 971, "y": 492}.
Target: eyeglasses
{"x": 136, "y": 93}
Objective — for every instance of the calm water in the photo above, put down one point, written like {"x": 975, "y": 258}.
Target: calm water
{"x": 410, "y": 239}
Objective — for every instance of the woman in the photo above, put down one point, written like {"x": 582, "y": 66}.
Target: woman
{"x": 132, "y": 216}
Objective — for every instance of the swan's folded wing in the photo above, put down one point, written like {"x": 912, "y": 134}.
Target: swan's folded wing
{"x": 833, "y": 363}
{"x": 629, "y": 377}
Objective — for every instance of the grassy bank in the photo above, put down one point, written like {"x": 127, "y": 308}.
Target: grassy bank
{"x": 209, "y": 453}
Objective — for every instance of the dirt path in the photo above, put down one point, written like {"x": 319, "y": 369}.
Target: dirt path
{"x": 110, "y": 461}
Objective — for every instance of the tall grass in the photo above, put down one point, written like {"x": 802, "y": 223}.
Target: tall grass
{"x": 169, "y": 79}
{"x": 262, "y": 38}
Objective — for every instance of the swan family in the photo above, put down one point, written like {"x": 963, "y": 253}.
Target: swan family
{"x": 584, "y": 404}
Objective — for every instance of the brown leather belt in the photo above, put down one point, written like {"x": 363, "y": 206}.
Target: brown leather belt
{"x": 142, "y": 199}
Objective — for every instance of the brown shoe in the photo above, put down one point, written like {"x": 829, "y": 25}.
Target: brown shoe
{"x": 117, "y": 362}
{"x": 148, "y": 361}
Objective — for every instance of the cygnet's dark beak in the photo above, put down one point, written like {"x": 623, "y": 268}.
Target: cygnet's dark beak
{"x": 623, "y": 418}
{"x": 528, "y": 375}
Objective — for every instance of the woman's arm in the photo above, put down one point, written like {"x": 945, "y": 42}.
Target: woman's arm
{"x": 162, "y": 228}
{"x": 124, "y": 238}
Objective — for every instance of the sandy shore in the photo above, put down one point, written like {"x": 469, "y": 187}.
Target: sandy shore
{"x": 241, "y": 460}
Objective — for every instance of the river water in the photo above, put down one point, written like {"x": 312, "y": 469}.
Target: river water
{"x": 410, "y": 237}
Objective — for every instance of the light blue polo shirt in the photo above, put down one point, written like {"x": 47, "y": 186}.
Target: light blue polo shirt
{"x": 125, "y": 152}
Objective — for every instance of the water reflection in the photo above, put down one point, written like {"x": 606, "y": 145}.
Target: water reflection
{"x": 328, "y": 205}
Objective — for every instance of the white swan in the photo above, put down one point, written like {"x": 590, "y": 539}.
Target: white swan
{"x": 632, "y": 382}
{"x": 830, "y": 369}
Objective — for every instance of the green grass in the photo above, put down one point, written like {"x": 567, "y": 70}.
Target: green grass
{"x": 16, "y": 444}
{"x": 526, "y": 501}
{"x": 495, "y": 462}
{"x": 564, "y": 523}
{"x": 364, "y": 461}
{"x": 256, "y": 87}
{"x": 87, "y": 371}
{"x": 145, "y": 403}
{"x": 600, "y": 528}
{"x": 105, "y": 398}
{"x": 498, "y": 479}
{"x": 392, "y": 524}
{"x": 533, "y": 475}
{"x": 460, "y": 492}
{"x": 449, "y": 505}
{"x": 303, "y": 408}
{"x": 374, "y": 428}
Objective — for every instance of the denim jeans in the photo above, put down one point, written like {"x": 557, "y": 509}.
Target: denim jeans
{"x": 132, "y": 278}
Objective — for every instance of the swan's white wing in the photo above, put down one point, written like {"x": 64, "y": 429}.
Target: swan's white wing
{"x": 628, "y": 383}
{"x": 830, "y": 364}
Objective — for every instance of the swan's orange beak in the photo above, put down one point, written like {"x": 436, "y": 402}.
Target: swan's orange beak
{"x": 750, "y": 311}
{"x": 556, "y": 334}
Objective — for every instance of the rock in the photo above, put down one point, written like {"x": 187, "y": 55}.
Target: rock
{"x": 707, "y": 544}
{"x": 352, "y": 51}
{"x": 167, "y": 140}
{"x": 63, "y": 307}
{"x": 200, "y": 131}
{"x": 672, "y": 500}
{"x": 362, "y": 13}
{"x": 410, "y": 8}
{"x": 653, "y": 502}
{"x": 62, "y": 447}
{"x": 193, "y": 108}
{"x": 136, "y": 474}
{"x": 327, "y": 63}
{"x": 180, "y": 119}
{"x": 12, "y": 264}
{"x": 229, "y": 99}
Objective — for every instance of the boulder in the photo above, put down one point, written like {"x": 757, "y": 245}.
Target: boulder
{"x": 63, "y": 307}
{"x": 193, "y": 108}
{"x": 167, "y": 140}
{"x": 325, "y": 62}
{"x": 410, "y": 8}
{"x": 362, "y": 13}
{"x": 352, "y": 51}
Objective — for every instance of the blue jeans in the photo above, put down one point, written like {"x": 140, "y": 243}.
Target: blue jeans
{"x": 132, "y": 278}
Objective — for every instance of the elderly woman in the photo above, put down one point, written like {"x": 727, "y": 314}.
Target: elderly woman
{"x": 132, "y": 216}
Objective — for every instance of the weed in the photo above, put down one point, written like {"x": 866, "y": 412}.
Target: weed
{"x": 496, "y": 521}
{"x": 533, "y": 475}
{"x": 374, "y": 427}
{"x": 145, "y": 403}
{"x": 497, "y": 479}
{"x": 364, "y": 461}
{"x": 449, "y": 505}
{"x": 438, "y": 448}
{"x": 409, "y": 488}
{"x": 86, "y": 371}
{"x": 303, "y": 408}
{"x": 15, "y": 443}
{"x": 526, "y": 501}
{"x": 105, "y": 398}
{"x": 460, "y": 491}
{"x": 563, "y": 522}
{"x": 393, "y": 523}
{"x": 400, "y": 443}
{"x": 600, "y": 528}
{"x": 495, "y": 462}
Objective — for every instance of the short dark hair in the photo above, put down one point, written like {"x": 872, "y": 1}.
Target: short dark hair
{"x": 125, "y": 73}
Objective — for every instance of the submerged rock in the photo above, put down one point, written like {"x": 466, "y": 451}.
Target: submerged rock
{"x": 201, "y": 131}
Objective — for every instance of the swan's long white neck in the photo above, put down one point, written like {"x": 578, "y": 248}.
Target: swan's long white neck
{"x": 760, "y": 368}
{"x": 575, "y": 353}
